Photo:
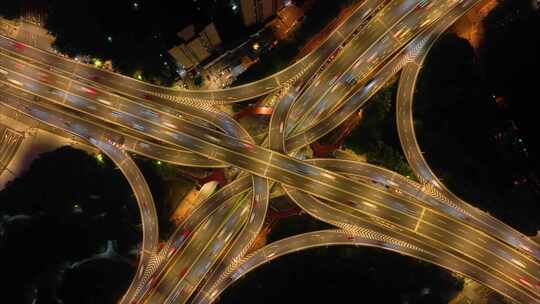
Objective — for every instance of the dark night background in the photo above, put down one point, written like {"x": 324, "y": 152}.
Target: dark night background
{"x": 465, "y": 108}
{"x": 467, "y": 136}
{"x": 64, "y": 210}
{"x": 140, "y": 35}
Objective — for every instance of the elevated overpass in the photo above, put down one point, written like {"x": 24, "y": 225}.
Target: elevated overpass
{"x": 355, "y": 197}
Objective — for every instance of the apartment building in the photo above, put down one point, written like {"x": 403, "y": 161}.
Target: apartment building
{"x": 257, "y": 11}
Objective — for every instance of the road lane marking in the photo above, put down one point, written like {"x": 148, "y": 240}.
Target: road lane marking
{"x": 419, "y": 219}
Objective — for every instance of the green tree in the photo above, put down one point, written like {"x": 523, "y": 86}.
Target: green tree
{"x": 457, "y": 116}
{"x": 376, "y": 136}
{"x": 198, "y": 81}
{"x": 70, "y": 204}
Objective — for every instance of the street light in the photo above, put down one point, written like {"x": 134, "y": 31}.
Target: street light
{"x": 97, "y": 63}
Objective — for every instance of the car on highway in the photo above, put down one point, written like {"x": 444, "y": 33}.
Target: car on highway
{"x": 19, "y": 46}
{"x": 248, "y": 146}
{"x": 104, "y": 101}
{"x": 16, "y": 82}
{"x": 42, "y": 76}
{"x": 138, "y": 127}
{"x": 116, "y": 114}
{"x": 149, "y": 112}
{"x": 350, "y": 80}
{"x": 212, "y": 138}
{"x": 217, "y": 246}
{"x": 172, "y": 251}
{"x": 334, "y": 54}
{"x": 524, "y": 281}
{"x": 327, "y": 175}
{"x": 144, "y": 145}
{"x": 182, "y": 237}
{"x": 170, "y": 125}
{"x": 88, "y": 90}
{"x": 350, "y": 203}
{"x": 152, "y": 282}
{"x": 425, "y": 4}
{"x": 115, "y": 140}
{"x": 369, "y": 84}
{"x": 182, "y": 272}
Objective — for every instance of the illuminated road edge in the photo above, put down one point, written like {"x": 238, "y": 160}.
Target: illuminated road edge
{"x": 367, "y": 208}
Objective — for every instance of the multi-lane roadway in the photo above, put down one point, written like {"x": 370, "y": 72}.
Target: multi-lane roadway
{"x": 379, "y": 40}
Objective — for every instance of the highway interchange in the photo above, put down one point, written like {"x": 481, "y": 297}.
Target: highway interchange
{"x": 371, "y": 205}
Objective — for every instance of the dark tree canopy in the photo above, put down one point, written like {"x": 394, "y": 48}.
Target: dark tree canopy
{"x": 457, "y": 123}
{"x": 345, "y": 275}
{"x": 376, "y": 135}
{"x": 510, "y": 55}
{"x": 64, "y": 209}
{"x": 295, "y": 225}
{"x": 339, "y": 274}
{"x": 105, "y": 275}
